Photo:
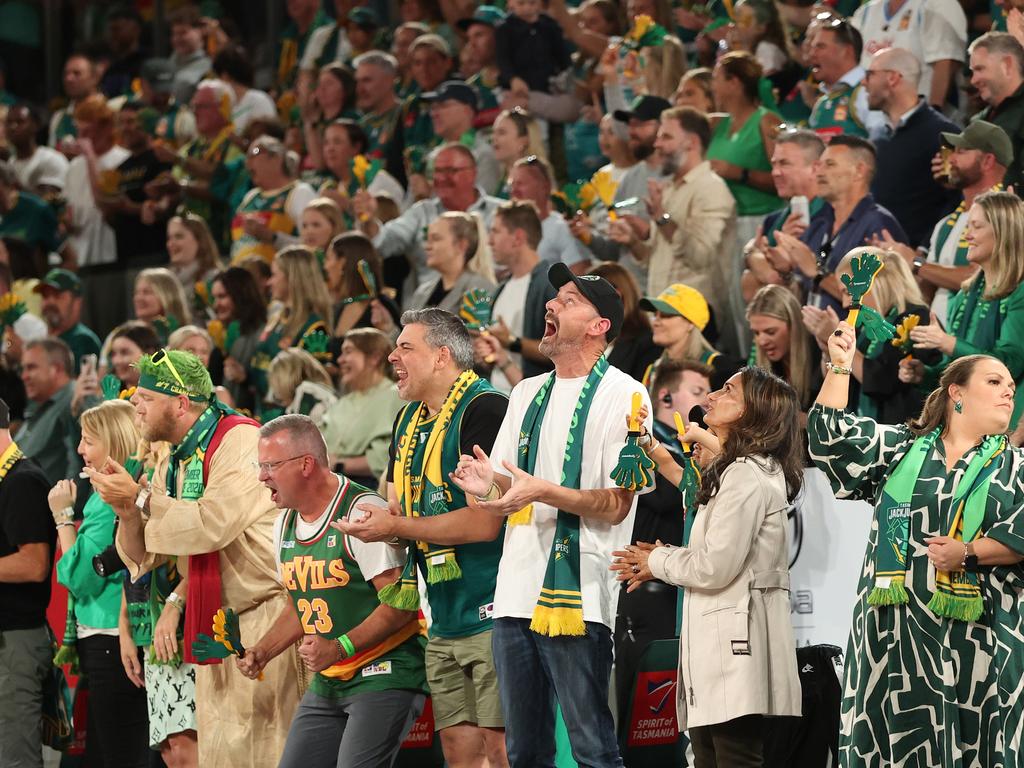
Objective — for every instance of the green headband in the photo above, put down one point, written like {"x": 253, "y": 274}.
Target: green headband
{"x": 175, "y": 373}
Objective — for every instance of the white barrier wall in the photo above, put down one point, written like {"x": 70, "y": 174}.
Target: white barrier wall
{"x": 827, "y": 540}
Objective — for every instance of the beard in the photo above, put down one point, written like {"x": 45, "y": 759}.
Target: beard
{"x": 52, "y": 318}
{"x": 669, "y": 165}
{"x": 961, "y": 178}
{"x": 642, "y": 151}
{"x": 161, "y": 429}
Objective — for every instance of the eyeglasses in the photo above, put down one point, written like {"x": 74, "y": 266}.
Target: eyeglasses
{"x": 162, "y": 358}
{"x": 270, "y": 467}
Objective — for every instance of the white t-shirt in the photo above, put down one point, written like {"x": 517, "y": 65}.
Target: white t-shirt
{"x": 315, "y": 46}
{"x": 93, "y": 240}
{"x": 771, "y": 58}
{"x": 557, "y": 242}
{"x": 373, "y": 558}
{"x": 509, "y": 307}
{"x": 947, "y": 258}
{"x": 253, "y": 105}
{"x": 45, "y": 166}
{"x": 932, "y": 30}
{"x": 526, "y": 550}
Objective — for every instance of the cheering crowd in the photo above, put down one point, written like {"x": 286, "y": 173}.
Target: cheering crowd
{"x": 424, "y": 365}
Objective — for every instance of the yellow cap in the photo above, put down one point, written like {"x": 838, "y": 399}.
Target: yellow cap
{"x": 682, "y": 300}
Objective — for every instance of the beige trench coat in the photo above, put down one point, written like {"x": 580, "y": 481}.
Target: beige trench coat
{"x": 241, "y": 723}
{"x": 737, "y": 655}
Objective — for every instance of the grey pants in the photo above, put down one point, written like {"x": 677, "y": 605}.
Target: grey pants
{"x": 25, "y": 658}
{"x": 361, "y": 731}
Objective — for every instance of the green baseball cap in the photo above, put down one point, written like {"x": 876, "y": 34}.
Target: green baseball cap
{"x": 60, "y": 280}
{"x": 485, "y": 14}
{"x": 985, "y": 137}
{"x": 365, "y": 17}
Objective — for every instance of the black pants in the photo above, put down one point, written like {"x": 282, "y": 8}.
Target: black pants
{"x": 736, "y": 743}
{"x": 117, "y": 735}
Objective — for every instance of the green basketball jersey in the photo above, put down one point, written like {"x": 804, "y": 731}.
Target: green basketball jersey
{"x": 836, "y": 112}
{"x": 332, "y": 597}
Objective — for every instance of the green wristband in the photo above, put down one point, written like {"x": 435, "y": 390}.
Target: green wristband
{"x": 346, "y": 646}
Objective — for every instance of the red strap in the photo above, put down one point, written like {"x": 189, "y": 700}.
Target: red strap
{"x": 204, "y": 596}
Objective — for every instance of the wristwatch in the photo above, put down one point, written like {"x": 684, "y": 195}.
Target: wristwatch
{"x": 663, "y": 220}
{"x": 918, "y": 263}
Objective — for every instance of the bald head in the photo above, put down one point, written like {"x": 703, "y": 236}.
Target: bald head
{"x": 892, "y": 80}
{"x": 902, "y": 61}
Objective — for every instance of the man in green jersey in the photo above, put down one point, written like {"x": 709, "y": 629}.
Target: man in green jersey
{"x": 450, "y": 410}
{"x": 368, "y": 681}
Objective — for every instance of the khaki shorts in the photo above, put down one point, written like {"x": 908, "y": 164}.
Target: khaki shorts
{"x": 463, "y": 683}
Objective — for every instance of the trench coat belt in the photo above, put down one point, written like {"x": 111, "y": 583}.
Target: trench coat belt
{"x": 777, "y": 579}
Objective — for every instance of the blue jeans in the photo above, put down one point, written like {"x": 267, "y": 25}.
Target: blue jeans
{"x": 534, "y": 671}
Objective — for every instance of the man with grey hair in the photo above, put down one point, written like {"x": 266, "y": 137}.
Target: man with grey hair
{"x": 997, "y": 71}
{"x": 451, "y": 412}
{"x": 366, "y": 658}
{"x": 906, "y": 147}
{"x": 49, "y": 434}
{"x": 379, "y": 109}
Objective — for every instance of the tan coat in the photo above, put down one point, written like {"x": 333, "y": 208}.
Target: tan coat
{"x": 240, "y": 722}
{"x": 737, "y": 655}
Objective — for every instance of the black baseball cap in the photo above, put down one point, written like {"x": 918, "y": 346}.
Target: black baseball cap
{"x": 453, "y": 90}
{"x": 596, "y": 290}
{"x": 643, "y": 108}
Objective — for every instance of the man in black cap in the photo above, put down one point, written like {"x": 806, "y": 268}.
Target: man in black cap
{"x": 62, "y": 310}
{"x": 549, "y": 472}
{"x": 642, "y": 120}
{"x": 453, "y": 108}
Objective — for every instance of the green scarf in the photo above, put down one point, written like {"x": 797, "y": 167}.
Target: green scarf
{"x": 427, "y": 491}
{"x": 559, "y": 608}
{"x": 974, "y": 318}
{"x": 957, "y": 594}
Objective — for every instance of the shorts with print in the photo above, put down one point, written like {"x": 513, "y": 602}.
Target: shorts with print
{"x": 463, "y": 683}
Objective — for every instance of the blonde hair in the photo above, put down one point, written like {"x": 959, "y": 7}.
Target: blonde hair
{"x": 666, "y": 65}
{"x": 470, "y": 228}
{"x": 207, "y": 253}
{"x": 894, "y": 286}
{"x": 289, "y": 368}
{"x": 307, "y": 289}
{"x": 180, "y": 337}
{"x": 779, "y": 303}
{"x": 1004, "y": 211}
{"x": 526, "y": 125}
{"x": 330, "y": 211}
{"x": 169, "y": 291}
{"x": 112, "y": 422}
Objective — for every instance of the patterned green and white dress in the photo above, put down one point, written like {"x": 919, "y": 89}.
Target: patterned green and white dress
{"x": 920, "y": 690}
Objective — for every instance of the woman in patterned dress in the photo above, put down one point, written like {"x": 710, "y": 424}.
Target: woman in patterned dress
{"x": 933, "y": 672}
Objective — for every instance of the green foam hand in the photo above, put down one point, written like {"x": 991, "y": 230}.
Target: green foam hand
{"x": 110, "y": 385}
{"x": 635, "y": 469}
{"x": 863, "y": 269}
{"x": 205, "y": 648}
{"x": 875, "y": 326}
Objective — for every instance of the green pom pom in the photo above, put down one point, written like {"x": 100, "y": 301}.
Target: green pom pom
{"x": 449, "y": 570}
{"x": 894, "y": 594}
{"x": 402, "y": 595}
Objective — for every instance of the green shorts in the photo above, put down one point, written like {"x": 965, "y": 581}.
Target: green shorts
{"x": 463, "y": 683}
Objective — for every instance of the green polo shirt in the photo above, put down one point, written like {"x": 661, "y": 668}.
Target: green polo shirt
{"x": 50, "y": 435}
{"x": 82, "y": 341}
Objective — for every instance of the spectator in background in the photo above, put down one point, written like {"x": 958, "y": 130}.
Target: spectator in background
{"x": 986, "y": 316}
{"x": 304, "y": 18}
{"x": 41, "y": 170}
{"x": 934, "y": 31}
{"x": 232, "y": 66}
{"x": 481, "y": 43}
{"x": 453, "y": 110}
{"x": 515, "y": 135}
{"x": 193, "y": 259}
{"x": 461, "y": 258}
{"x": 531, "y": 49}
{"x": 532, "y": 178}
{"x": 997, "y": 72}
{"x": 123, "y": 348}
{"x": 49, "y": 434}
{"x": 346, "y": 259}
{"x": 795, "y": 171}
{"x": 695, "y": 91}
{"x": 634, "y": 350}
{"x": 376, "y": 78}
{"x": 905, "y": 150}
{"x": 61, "y": 292}
{"x": 845, "y": 173}
{"x": 29, "y": 229}
{"x": 124, "y": 39}
{"x": 782, "y": 343}
{"x": 168, "y": 120}
{"x": 90, "y": 174}
{"x": 455, "y": 189}
{"x": 299, "y": 384}
{"x": 693, "y": 219}
{"x": 81, "y": 80}
{"x": 159, "y": 299}
{"x": 188, "y": 57}
{"x": 431, "y": 65}
{"x": 615, "y": 148}
{"x": 333, "y": 98}
{"x": 760, "y": 31}
{"x": 357, "y": 428}
{"x": 27, "y": 542}
{"x": 342, "y": 141}
{"x": 401, "y": 50}
{"x": 267, "y": 218}
{"x": 842, "y": 107}
{"x": 327, "y": 44}
{"x": 321, "y": 222}
{"x": 238, "y": 300}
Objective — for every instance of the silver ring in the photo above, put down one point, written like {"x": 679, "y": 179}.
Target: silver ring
{"x": 636, "y": 568}
{"x": 167, "y": 637}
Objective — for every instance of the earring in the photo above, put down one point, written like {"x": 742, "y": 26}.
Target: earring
{"x": 958, "y": 406}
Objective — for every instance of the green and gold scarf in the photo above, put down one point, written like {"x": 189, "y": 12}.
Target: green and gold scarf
{"x": 559, "y": 608}
{"x": 957, "y": 594}
{"x": 426, "y": 492}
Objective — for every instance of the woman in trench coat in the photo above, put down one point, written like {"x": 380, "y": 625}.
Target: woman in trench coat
{"x": 737, "y": 656}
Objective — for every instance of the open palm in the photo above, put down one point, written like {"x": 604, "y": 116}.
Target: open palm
{"x": 474, "y": 474}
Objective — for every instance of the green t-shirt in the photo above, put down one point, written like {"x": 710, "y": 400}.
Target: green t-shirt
{"x": 745, "y": 148}
{"x": 332, "y": 597}
{"x": 82, "y": 341}
{"x": 33, "y": 222}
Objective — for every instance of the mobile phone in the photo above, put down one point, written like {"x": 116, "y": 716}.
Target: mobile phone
{"x": 89, "y": 364}
{"x": 802, "y": 208}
